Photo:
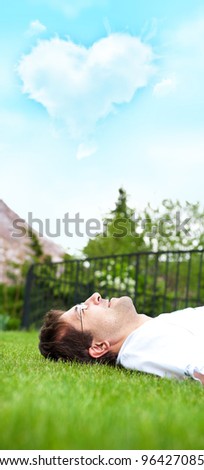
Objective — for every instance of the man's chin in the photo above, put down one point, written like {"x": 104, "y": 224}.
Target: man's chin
{"x": 124, "y": 300}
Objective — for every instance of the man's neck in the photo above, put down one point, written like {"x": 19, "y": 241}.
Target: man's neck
{"x": 139, "y": 320}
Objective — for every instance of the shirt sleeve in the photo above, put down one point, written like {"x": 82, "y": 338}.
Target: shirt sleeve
{"x": 195, "y": 372}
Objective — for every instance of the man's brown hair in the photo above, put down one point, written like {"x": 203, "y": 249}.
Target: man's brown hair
{"x": 59, "y": 340}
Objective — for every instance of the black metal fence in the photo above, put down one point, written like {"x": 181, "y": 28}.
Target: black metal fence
{"x": 157, "y": 282}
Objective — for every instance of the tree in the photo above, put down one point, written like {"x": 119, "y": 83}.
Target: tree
{"x": 35, "y": 246}
{"x": 173, "y": 226}
{"x": 120, "y": 234}
{"x": 170, "y": 226}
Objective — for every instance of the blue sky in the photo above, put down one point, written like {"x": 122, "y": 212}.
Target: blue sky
{"x": 98, "y": 94}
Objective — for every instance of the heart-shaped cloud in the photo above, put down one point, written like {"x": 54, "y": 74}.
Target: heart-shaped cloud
{"x": 81, "y": 85}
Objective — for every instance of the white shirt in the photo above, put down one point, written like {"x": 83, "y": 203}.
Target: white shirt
{"x": 170, "y": 345}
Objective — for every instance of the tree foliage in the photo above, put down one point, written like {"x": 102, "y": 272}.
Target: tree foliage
{"x": 168, "y": 227}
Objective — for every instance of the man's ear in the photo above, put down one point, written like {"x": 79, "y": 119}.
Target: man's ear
{"x": 99, "y": 349}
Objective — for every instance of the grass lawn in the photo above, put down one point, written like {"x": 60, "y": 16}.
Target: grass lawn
{"x": 47, "y": 405}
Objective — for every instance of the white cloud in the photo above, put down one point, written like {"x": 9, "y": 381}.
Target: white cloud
{"x": 150, "y": 28}
{"x": 36, "y": 28}
{"x": 164, "y": 87}
{"x": 85, "y": 150}
{"x": 80, "y": 86}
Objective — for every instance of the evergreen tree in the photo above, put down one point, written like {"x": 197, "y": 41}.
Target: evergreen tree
{"x": 35, "y": 246}
{"x": 120, "y": 234}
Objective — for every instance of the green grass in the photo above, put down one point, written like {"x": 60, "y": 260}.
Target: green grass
{"x": 47, "y": 405}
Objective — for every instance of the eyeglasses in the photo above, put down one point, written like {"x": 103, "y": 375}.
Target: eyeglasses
{"x": 79, "y": 308}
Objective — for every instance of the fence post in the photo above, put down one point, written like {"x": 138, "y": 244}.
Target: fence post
{"x": 76, "y": 282}
{"x": 27, "y": 296}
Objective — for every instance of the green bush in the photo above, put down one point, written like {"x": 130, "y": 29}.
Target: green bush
{"x": 11, "y": 305}
{"x": 4, "y": 319}
{"x": 9, "y": 323}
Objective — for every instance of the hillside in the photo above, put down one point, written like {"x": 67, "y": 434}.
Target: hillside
{"x": 17, "y": 249}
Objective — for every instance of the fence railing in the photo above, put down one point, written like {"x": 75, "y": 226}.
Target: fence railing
{"x": 157, "y": 282}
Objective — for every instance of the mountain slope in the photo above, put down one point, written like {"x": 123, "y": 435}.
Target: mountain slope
{"x": 17, "y": 249}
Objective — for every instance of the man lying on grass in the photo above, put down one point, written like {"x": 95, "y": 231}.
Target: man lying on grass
{"x": 170, "y": 345}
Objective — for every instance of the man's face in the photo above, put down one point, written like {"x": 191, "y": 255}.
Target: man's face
{"x": 102, "y": 317}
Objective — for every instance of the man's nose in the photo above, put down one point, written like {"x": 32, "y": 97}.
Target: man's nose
{"x": 95, "y": 299}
